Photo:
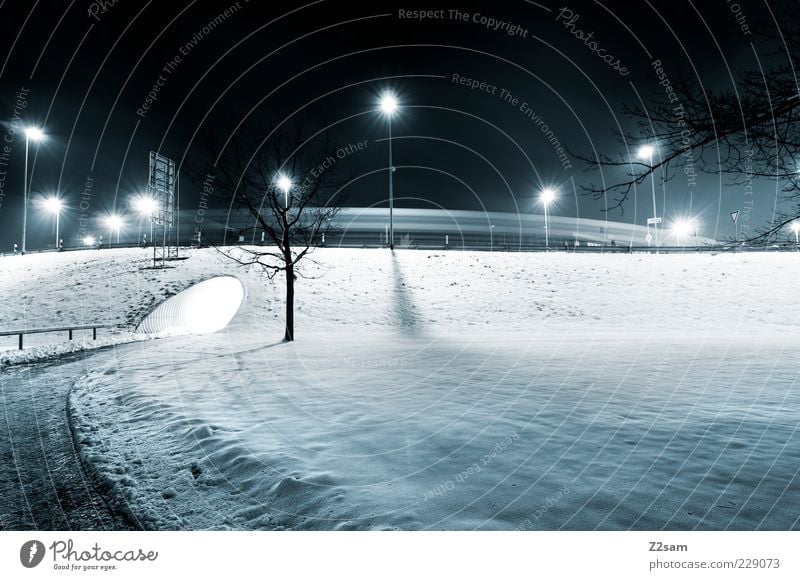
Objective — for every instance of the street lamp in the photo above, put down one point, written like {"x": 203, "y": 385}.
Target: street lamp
{"x": 683, "y": 228}
{"x": 546, "y": 197}
{"x": 284, "y": 184}
{"x": 796, "y": 229}
{"x": 31, "y": 134}
{"x": 389, "y": 106}
{"x": 53, "y": 205}
{"x": 114, "y": 223}
{"x": 88, "y": 240}
{"x": 146, "y": 206}
{"x": 646, "y": 152}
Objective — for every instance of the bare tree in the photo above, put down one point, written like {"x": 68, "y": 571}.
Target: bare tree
{"x": 750, "y": 132}
{"x": 289, "y": 189}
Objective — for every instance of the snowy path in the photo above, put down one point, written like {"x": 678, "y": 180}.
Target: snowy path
{"x": 43, "y": 483}
{"x": 386, "y": 431}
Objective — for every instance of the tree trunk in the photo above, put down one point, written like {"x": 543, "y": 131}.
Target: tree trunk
{"x": 289, "y": 336}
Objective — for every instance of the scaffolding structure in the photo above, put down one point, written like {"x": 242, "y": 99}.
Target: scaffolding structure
{"x": 162, "y": 186}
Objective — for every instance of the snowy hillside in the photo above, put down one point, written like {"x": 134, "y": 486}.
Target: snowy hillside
{"x": 442, "y": 291}
{"x": 443, "y": 390}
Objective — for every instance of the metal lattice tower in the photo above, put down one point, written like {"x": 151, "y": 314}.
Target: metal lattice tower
{"x": 161, "y": 186}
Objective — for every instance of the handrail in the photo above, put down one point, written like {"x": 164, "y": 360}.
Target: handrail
{"x": 69, "y": 329}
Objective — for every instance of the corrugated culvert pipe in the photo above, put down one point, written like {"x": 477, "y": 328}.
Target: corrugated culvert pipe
{"x": 203, "y": 308}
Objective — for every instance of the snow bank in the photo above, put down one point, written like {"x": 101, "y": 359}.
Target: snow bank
{"x": 52, "y": 351}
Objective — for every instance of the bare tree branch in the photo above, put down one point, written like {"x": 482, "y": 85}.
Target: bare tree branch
{"x": 293, "y": 222}
{"x": 752, "y": 130}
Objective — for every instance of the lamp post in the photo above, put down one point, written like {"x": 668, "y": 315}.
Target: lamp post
{"x": 646, "y": 152}
{"x": 547, "y": 196}
{"x": 146, "y": 206}
{"x": 796, "y": 229}
{"x": 31, "y": 134}
{"x": 284, "y": 184}
{"x": 54, "y": 205}
{"x": 389, "y": 106}
{"x": 114, "y": 223}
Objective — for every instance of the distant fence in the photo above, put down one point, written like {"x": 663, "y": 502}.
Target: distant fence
{"x": 471, "y": 244}
{"x": 67, "y": 329}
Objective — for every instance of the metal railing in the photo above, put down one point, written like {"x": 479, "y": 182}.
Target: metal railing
{"x": 472, "y": 243}
{"x": 68, "y": 329}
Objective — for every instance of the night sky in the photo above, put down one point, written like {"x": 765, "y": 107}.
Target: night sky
{"x": 83, "y": 71}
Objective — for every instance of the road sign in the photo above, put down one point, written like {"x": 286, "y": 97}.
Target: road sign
{"x": 653, "y": 220}
{"x": 649, "y": 238}
{"x": 735, "y": 215}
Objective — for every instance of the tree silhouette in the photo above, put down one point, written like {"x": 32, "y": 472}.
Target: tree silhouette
{"x": 749, "y": 132}
{"x": 288, "y": 195}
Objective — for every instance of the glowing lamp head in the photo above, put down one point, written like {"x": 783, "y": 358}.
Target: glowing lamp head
{"x": 284, "y": 183}
{"x": 52, "y": 204}
{"x": 34, "y": 134}
{"x": 114, "y": 222}
{"x": 88, "y": 240}
{"x": 646, "y": 151}
{"x": 547, "y": 196}
{"x": 795, "y": 226}
{"x": 683, "y": 228}
{"x": 389, "y": 104}
{"x": 145, "y": 205}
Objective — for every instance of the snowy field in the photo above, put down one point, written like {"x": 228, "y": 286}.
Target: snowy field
{"x": 442, "y": 390}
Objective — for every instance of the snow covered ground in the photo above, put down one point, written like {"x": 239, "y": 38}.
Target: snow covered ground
{"x": 80, "y": 288}
{"x": 446, "y": 390}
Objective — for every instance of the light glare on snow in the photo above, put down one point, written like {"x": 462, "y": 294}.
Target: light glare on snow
{"x": 202, "y": 309}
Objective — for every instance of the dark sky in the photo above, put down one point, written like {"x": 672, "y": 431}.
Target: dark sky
{"x": 85, "y": 70}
